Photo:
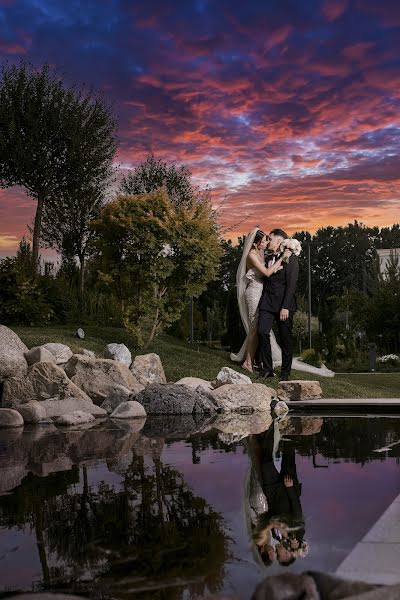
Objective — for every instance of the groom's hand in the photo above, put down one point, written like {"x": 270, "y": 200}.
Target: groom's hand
{"x": 284, "y": 314}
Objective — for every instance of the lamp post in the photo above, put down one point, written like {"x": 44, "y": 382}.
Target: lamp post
{"x": 309, "y": 293}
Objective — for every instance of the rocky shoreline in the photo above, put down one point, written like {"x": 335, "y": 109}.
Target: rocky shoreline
{"x": 49, "y": 384}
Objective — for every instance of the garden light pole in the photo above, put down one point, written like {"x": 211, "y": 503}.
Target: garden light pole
{"x": 309, "y": 293}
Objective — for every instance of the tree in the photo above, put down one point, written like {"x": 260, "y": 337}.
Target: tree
{"x": 153, "y": 174}
{"x": 300, "y": 326}
{"x": 55, "y": 142}
{"x": 155, "y": 255}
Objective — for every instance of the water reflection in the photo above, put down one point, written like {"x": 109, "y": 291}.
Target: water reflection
{"x": 156, "y": 509}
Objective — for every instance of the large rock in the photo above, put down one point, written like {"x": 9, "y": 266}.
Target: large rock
{"x": 12, "y": 359}
{"x": 56, "y": 408}
{"x": 10, "y": 418}
{"x": 118, "y": 352}
{"x": 39, "y": 354}
{"x": 32, "y": 412}
{"x": 119, "y": 394}
{"x": 147, "y": 368}
{"x": 300, "y": 425}
{"x": 97, "y": 377}
{"x": 172, "y": 399}
{"x": 228, "y": 376}
{"x": 243, "y": 398}
{"x": 129, "y": 410}
{"x": 194, "y": 383}
{"x": 75, "y": 418}
{"x": 44, "y": 381}
{"x": 296, "y": 390}
{"x": 281, "y": 409}
{"x": 86, "y": 352}
{"x": 61, "y": 352}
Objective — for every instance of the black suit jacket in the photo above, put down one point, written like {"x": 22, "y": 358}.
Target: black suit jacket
{"x": 279, "y": 289}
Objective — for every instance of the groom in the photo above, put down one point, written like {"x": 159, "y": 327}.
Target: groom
{"x": 277, "y": 303}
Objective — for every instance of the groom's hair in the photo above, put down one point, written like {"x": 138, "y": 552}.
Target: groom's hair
{"x": 280, "y": 232}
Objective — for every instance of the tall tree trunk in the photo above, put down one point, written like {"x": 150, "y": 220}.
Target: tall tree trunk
{"x": 153, "y": 329}
{"x": 36, "y": 234}
{"x": 41, "y": 545}
{"x": 81, "y": 280}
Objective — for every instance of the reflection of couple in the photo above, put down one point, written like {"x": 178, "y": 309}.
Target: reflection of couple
{"x": 266, "y": 294}
{"x": 276, "y": 515}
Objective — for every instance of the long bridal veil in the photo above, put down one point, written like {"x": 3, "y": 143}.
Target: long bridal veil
{"x": 241, "y": 283}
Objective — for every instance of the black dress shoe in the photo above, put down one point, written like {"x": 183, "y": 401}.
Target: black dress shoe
{"x": 284, "y": 378}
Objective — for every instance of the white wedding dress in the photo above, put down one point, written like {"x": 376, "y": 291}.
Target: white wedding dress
{"x": 249, "y": 285}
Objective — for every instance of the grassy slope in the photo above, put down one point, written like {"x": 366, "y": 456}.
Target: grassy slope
{"x": 180, "y": 360}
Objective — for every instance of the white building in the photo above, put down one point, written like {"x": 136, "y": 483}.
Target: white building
{"x": 384, "y": 255}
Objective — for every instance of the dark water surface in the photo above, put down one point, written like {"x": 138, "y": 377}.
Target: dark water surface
{"x": 160, "y": 510}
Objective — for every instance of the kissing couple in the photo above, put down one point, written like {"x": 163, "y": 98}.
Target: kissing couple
{"x": 266, "y": 294}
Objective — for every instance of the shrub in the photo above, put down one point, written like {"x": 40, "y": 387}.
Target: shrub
{"x": 311, "y": 357}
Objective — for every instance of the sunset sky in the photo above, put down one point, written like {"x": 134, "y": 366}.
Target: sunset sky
{"x": 288, "y": 109}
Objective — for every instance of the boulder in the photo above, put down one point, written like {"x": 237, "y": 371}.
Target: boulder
{"x": 194, "y": 383}
{"x": 129, "y": 410}
{"x": 44, "y": 381}
{"x": 56, "y": 408}
{"x": 32, "y": 412}
{"x": 147, "y": 368}
{"x": 230, "y": 376}
{"x": 88, "y": 353}
{"x": 243, "y": 398}
{"x": 300, "y": 389}
{"x": 61, "y": 352}
{"x": 119, "y": 394}
{"x": 300, "y": 425}
{"x": 10, "y": 418}
{"x": 39, "y": 354}
{"x": 118, "y": 352}
{"x": 12, "y": 350}
{"x": 173, "y": 399}
{"x": 97, "y": 377}
{"x": 75, "y": 418}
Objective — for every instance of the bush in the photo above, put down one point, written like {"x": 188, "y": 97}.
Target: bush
{"x": 311, "y": 357}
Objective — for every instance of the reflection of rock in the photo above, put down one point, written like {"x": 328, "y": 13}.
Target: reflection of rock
{"x": 232, "y": 377}
{"x": 181, "y": 426}
{"x": 97, "y": 377}
{"x": 44, "y": 450}
{"x": 44, "y": 380}
{"x": 244, "y": 398}
{"x": 172, "y": 399}
{"x": 147, "y": 368}
{"x": 12, "y": 359}
{"x": 300, "y": 425}
{"x": 299, "y": 390}
{"x": 242, "y": 424}
{"x": 231, "y": 438}
{"x": 146, "y": 446}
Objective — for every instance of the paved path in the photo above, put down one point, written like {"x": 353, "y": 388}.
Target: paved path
{"x": 347, "y": 403}
{"x": 376, "y": 559}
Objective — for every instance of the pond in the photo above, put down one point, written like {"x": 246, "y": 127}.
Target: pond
{"x": 166, "y": 509}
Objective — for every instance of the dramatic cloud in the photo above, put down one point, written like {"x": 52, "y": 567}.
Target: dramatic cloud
{"x": 289, "y": 111}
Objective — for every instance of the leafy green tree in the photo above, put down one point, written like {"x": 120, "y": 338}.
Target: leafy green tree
{"x": 300, "y": 326}
{"x": 154, "y": 173}
{"x": 58, "y": 144}
{"x": 154, "y": 255}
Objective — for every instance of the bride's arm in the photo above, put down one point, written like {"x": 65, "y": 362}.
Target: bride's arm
{"x": 256, "y": 263}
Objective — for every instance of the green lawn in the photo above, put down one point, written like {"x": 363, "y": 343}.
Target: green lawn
{"x": 180, "y": 360}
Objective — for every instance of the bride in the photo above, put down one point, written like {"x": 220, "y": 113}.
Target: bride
{"x": 249, "y": 283}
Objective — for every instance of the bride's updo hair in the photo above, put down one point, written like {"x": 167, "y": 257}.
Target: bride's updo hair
{"x": 258, "y": 237}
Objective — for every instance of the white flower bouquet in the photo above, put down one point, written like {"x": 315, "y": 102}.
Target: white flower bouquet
{"x": 291, "y": 244}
